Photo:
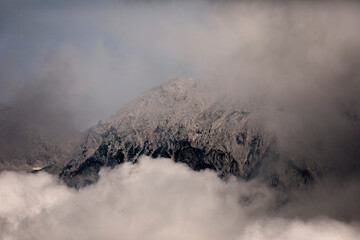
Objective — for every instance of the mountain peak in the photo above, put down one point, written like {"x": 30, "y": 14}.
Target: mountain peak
{"x": 180, "y": 119}
{"x": 179, "y": 85}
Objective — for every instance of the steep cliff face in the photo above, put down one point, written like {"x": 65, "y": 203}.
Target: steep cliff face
{"x": 186, "y": 121}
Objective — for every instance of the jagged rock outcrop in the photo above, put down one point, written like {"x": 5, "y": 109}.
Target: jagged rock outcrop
{"x": 185, "y": 120}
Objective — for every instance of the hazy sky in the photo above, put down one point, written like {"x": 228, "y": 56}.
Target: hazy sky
{"x": 90, "y": 56}
{"x": 75, "y": 63}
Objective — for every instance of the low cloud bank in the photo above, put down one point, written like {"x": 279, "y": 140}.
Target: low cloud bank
{"x": 154, "y": 199}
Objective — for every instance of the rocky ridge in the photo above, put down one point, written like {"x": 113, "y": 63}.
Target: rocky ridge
{"x": 185, "y": 120}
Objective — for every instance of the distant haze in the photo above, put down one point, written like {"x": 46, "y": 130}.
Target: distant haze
{"x": 65, "y": 65}
{"x": 77, "y": 63}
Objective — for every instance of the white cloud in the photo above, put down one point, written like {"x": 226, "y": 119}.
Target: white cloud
{"x": 155, "y": 199}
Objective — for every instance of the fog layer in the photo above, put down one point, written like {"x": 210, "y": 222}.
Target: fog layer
{"x": 154, "y": 199}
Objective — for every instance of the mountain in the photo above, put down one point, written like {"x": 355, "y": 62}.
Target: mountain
{"x": 186, "y": 120}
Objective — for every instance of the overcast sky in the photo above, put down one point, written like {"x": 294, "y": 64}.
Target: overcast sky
{"x": 95, "y": 56}
{"x": 83, "y": 60}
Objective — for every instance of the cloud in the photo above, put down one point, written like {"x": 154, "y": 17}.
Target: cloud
{"x": 295, "y": 63}
{"x": 154, "y": 199}
{"x": 300, "y": 55}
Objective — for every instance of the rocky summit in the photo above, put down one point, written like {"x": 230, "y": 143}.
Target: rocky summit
{"x": 187, "y": 121}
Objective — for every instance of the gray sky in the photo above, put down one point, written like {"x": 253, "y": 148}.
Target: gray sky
{"x": 84, "y": 60}
{"x": 94, "y": 56}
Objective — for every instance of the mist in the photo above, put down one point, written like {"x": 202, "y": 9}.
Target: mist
{"x": 65, "y": 66}
{"x": 293, "y": 64}
{"x": 88, "y": 59}
{"x": 153, "y": 199}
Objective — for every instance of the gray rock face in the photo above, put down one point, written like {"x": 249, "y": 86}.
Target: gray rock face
{"x": 186, "y": 121}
